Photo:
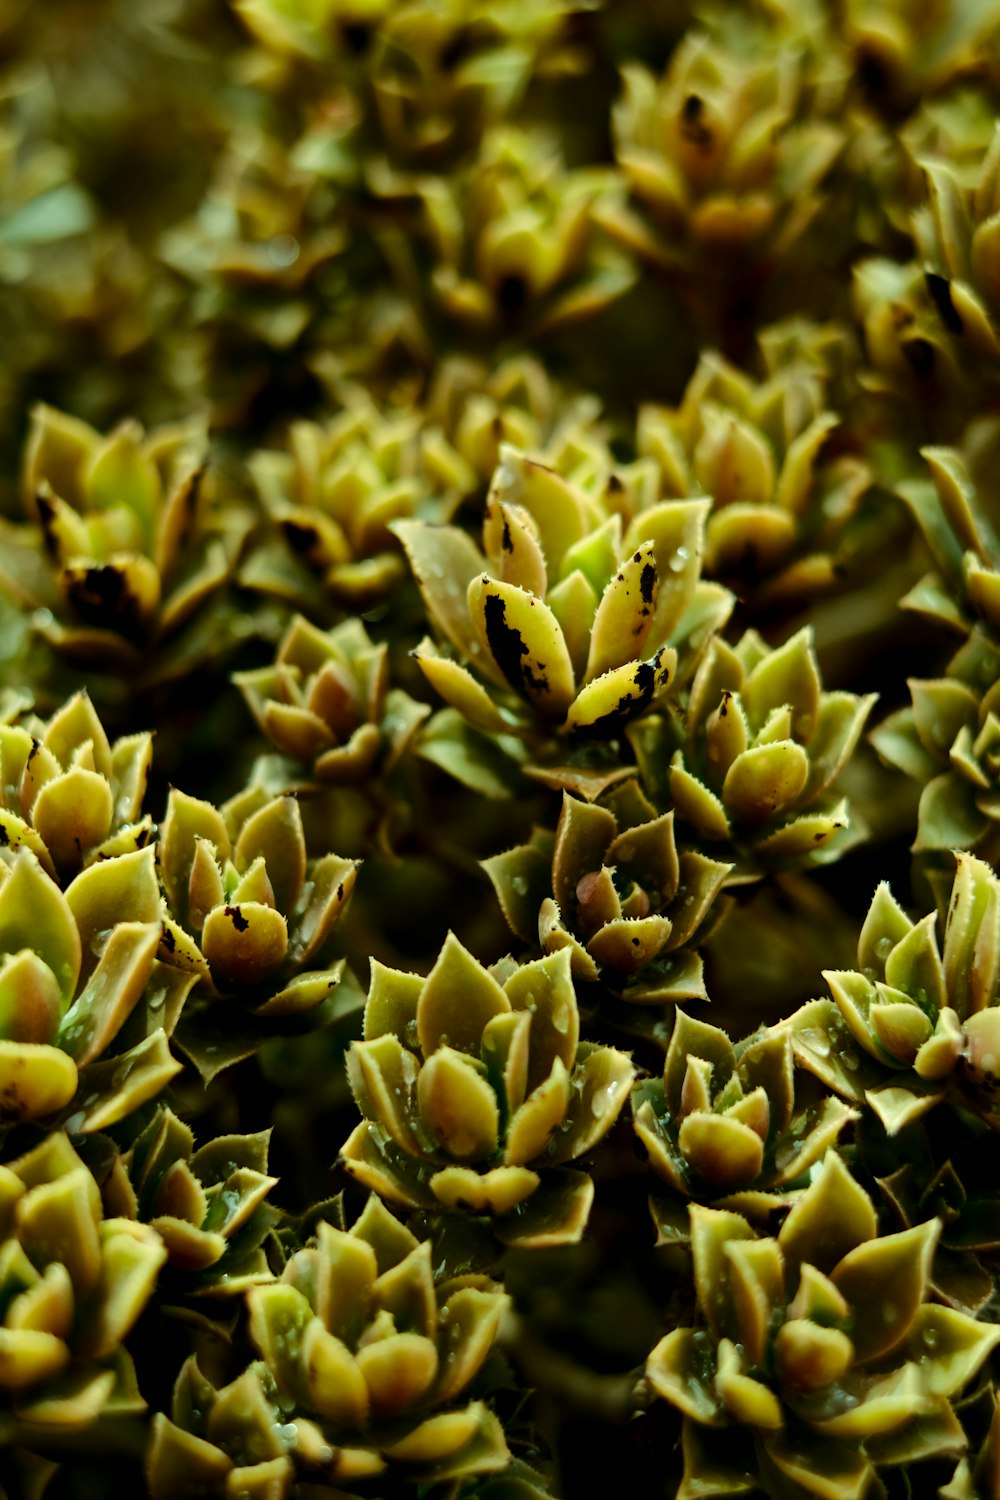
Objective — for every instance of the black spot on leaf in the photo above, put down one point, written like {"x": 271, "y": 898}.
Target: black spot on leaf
{"x": 509, "y": 650}
{"x": 940, "y": 289}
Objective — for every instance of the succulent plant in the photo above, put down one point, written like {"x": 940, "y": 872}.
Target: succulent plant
{"x": 924, "y": 1016}
{"x": 611, "y": 886}
{"x": 516, "y": 403}
{"x": 754, "y": 761}
{"x": 364, "y": 1363}
{"x": 332, "y": 494}
{"x": 944, "y": 741}
{"x": 573, "y": 623}
{"x": 511, "y": 239}
{"x": 86, "y": 1004}
{"x": 67, "y": 793}
{"x": 126, "y": 556}
{"x": 724, "y": 157}
{"x": 975, "y": 1476}
{"x": 247, "y": 916}
{"x": 272, "y": 264}
{"x": 725, "y": 1122}
{"x": 818, "y": 1348}
{"x": 495, "y": 1094}
{"x": 74, "y": 1284}
{"x": 326, "y": 703}
{"x": 905, "y": 55}
{"x": 781, "y": 507}
{"x": 953, "y": 512}
{"x": 427, "y": 80}
{"x": 207, "y": 1206}
{"x": 912, "y": 357}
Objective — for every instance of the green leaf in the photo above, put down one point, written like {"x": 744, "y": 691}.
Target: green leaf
{"x": 457, "y": 1105}
{"x": 948, "y": 817}
{"x": 833, "y": 1216}
{"x": 787, "y": 677}
{"x": 35, "y": 914}
{"x": 764, "y": 781}
{"x": 885, "y": 1281}
{"x": 544, "y": 989}
{"x": 523, "y": 639}
{"x": 458, "y": 999}
{"x": 624, "y": 616}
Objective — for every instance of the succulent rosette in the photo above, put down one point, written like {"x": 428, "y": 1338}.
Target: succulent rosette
{"x": 326, "y": 704}
{"x": 428, "y": 79}
{"x": 86, "y": 1004}
{"x": 67, "y": 793}
{"x": 955, "y": 517}
{"x": 754, "y": 760}
{"x": 267, "y": 262}
{"x": 781, "y": 508}
{"x": 908, "y": 54}
{"x": 566, "y": 626}
{"x": 248, "y": 918}
{"x": 612, "y": 887}
{"x": 946, "y": 739}
{"x": 975, "y": 1476}
{"x": 208, "y": 1206}
{"x": 724, "y": 155}
{"x": 332, "y": 492}
{"x": 476, "y": 1091}
{"x": 127, "y": 556}
{"x": 957, "y": 235}
{"x": 74, "y": 1283}
{"x": 365, "y": 1363}
{"x": 517, "y": 403}
{"x": 729, "y": 1122}
{"x": 511, "y": 238}
{"x": 924, "y": 1016}
{"x": 820, "y": 1344}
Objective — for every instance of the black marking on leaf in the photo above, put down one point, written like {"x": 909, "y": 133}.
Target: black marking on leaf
{"x": 920, "y": 356}
{"x": 47, "y": 516}
{"x": 302, "y": 538}
{"x": 101, "y": 596}
{"x": 512, "y": 294}
{"x": 647, "y": 582}
{"x": 167, "y": 939}
{"x": 189, "y": 497}
{"x": 940, "y": 289}
{"x": 239, "y": 921}
{"x": 4, "y": 837}
{"x": 357, "y": 35}
{"x": 693, "y": 127}
{"x": 509, "y": 650}
{"x": 506, "y": 540}
{"x": 629, "y": 706}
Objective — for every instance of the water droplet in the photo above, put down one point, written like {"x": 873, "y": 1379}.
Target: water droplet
{"x": 883, "y": 948}
{"x": 601, "y": 1102}
{"x": 519, "y": 884}
{"x": 283, "y": 251}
